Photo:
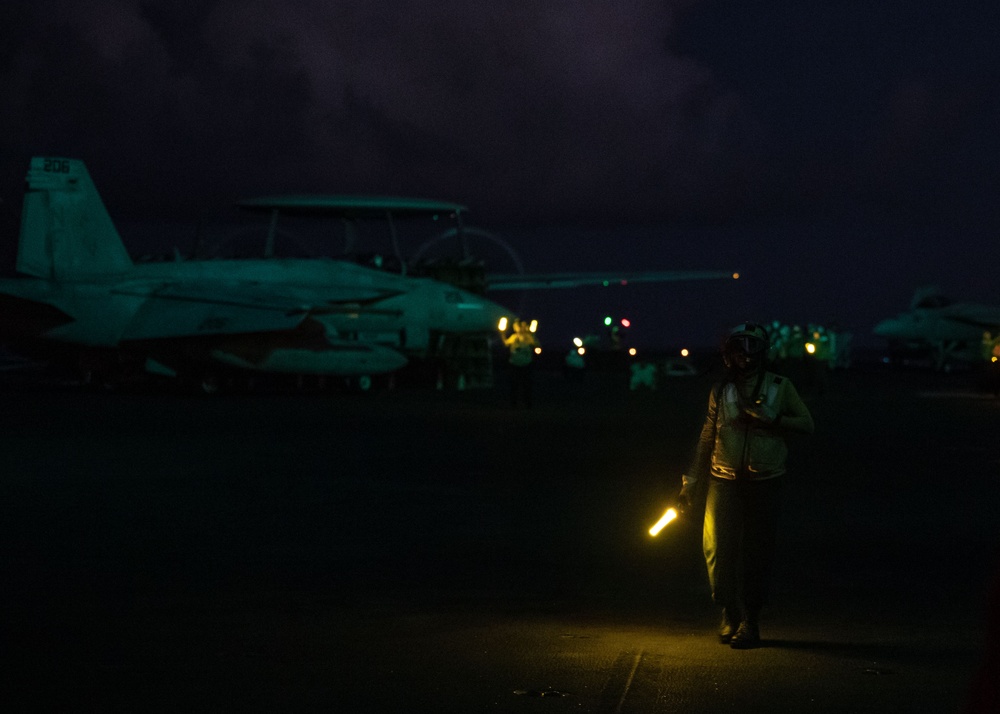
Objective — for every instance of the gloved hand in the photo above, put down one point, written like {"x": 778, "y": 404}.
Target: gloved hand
{"x": 683, "y": 501}
{"x": 761, "y": 412}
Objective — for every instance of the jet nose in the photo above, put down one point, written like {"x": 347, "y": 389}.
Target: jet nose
{"x": 881, "y": 329}
{"x": 497, "y": 314}
{"x": 891, "y": 327}
{"x": 473, "y": 313}
{"x": 488, "y": 315}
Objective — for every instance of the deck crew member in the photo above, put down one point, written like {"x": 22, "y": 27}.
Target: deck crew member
{"x": 740, "y": 458}
{"x": 522, "y": 345}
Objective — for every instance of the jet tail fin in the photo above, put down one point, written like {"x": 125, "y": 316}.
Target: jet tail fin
{"x": 66, "y": 233}
{"x": 928, "y": 296}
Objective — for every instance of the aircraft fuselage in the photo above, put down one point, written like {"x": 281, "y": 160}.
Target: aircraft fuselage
{"x": 371, "y": 320}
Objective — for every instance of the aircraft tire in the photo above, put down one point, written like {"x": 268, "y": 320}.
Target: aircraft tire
{"x": 209, "y": 384}
{"x": 365, "y": 385}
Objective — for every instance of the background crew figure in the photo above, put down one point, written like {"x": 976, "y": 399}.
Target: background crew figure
{"x": 522, "y": 344}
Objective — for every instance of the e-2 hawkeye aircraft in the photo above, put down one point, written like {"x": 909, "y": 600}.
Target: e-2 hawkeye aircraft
{"x": 78, "y": 292}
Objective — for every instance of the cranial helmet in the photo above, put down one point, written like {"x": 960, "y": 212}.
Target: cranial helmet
{"x": 745, "y": 347}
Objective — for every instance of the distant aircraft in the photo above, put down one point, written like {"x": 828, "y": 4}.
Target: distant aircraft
{"x": 947, "y": 332}
{"x": 79, "y": 293}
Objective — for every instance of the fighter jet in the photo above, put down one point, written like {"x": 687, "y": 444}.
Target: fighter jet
{"x": 946, "y": 332}
{"x": 77, "y": 291}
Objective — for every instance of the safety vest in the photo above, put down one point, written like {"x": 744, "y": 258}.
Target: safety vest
{"x": 745, "y": 449}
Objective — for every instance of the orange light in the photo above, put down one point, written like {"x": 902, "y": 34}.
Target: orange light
{"x": 684, "y": 352}
{"x": 631, "y": 351}
{"x": 538, "y": 350}
{"x": 736, "y": 276}
{"x": 670, "y": 515}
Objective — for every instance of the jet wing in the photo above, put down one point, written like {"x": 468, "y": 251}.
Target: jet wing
{"x": 515, "y": 281}
{"x": 986, "y": 317}
{"x": 213, "y": 308}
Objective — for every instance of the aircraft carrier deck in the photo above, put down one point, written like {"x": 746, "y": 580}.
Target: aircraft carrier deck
{"x": 440, "y": 551}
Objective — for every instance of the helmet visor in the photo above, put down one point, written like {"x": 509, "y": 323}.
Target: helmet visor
{"x": 747, "y": 344}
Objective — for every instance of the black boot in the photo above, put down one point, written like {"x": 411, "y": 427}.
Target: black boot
{"x": 747, "y": 636}
{"x": 728, "y": 627}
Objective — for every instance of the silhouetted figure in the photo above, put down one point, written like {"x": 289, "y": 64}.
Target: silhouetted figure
{"x": 522, "y": 345}
{"x": 740, "y": 457}
{"x": 574, "y": 365}
{"x": 991, "y": 363}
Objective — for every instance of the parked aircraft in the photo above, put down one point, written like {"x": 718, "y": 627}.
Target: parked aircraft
{"x": 78, "y": 292}
{"x": 947, "y": 332}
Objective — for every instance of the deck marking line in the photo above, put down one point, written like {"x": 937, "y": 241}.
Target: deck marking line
{"x": 628, "y": 682}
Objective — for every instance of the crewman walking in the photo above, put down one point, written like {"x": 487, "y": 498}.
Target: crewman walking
{"x": 740, "y": 457}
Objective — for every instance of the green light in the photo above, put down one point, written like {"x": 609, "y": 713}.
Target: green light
{"x": 607, "y": 320}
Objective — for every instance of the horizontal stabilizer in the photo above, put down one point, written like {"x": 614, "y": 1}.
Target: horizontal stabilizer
{"x": 514, "y": 281}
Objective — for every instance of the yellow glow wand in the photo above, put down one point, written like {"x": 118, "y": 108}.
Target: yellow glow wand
{"x": 670, "y": 515}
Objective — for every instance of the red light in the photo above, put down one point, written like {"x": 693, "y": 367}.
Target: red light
{"x": 626, "y": 323}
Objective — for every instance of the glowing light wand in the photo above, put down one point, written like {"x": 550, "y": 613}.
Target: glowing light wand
{"x": 670, "y": 515}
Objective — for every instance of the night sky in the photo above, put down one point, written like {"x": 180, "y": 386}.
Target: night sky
{"x": 837, "y": 154}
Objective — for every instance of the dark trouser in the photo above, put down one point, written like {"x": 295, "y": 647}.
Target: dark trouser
{"x": 741, "y": 519}
{"x": 520, "y": 384}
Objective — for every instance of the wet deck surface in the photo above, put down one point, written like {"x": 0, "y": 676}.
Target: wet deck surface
{"x": 425, "y": 551}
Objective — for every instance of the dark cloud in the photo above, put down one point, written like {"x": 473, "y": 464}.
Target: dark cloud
{"x": 872, "y": 102}
{"x": 583, "y": 109}
{"x": 569, "y": 108}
